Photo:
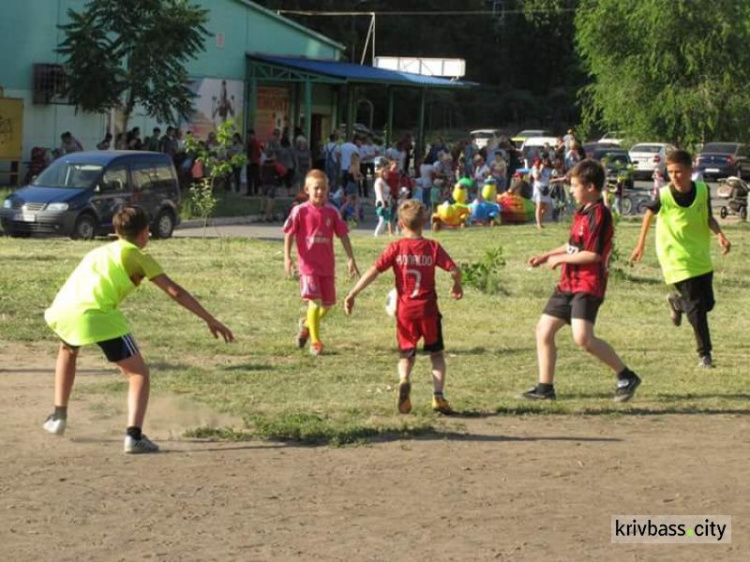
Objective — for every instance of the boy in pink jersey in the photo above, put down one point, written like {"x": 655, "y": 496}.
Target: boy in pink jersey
{"x": 313, "y": 225}
{"x": 413, "y": 260}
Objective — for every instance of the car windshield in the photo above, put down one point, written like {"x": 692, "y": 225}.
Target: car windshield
{"x": 483, "y": 135}
{"x": 75, "y": 175}
{"x": 652, "y": 148}
{"x": 531, "y": 133}
{"x": 720, "y": 147}
{"x": 612, "y": 157}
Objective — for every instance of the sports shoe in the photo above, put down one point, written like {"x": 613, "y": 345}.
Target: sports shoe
{"x": 440, "y": 405}
{"x": 626, "y": 388}
{"x": 139, "y": 446}
{"x": 303, "y": 334}
{"x": 536, "y": 393}
{"x": 404, "y": 402}
{"x": 316, "y": 348}
{"x": 55, "y": 426}
{"x": 705, "y": 362}
{"x": 674, "y": 312}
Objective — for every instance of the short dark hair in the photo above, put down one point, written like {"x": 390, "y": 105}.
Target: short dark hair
{"x": 680, "y": 156}
{"x": 589, "y": 171}
{"x": 412, "y": 214}
{"x": 130, "y": 221}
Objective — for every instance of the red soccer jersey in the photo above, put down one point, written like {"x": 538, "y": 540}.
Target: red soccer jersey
{"x": 591, "y": 231}
{"x": 413, "y": 262}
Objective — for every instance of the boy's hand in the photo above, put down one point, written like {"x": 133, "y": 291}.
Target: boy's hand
{"x": 457, "y": 292}
{"x": 536, "y": 261}
{"x": 289, "y": 267}
{"x": 636, "y": 254}
{"x": 353, "y": 270}
{"x": 349, "y": 304}
{"x": 725, "y": 244}
{"x": 217, "y": 329}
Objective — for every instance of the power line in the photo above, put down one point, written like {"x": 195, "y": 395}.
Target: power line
{"x": 427, "y": 13}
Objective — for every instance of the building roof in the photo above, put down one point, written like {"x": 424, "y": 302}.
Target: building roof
{"x": 293, "y": 24}
{"x": 351, "y": 72}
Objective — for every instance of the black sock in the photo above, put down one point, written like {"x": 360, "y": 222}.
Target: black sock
{"x": 134, "y": 432}
{"x": 544, "y": 387}
{"x": 625, "y": 374}
{"x": 61, "y": 413}
{"x": 438, "y": 394}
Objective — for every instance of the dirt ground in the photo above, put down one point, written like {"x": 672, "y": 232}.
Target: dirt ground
{"x": 500, "y": 488}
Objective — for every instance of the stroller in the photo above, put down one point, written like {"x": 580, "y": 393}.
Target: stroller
{"x": 735, "y": 191}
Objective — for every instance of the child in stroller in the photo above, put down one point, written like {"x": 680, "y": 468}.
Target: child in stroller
{"x": 735, "y": 191}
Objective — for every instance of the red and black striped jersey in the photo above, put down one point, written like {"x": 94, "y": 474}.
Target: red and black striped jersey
{"x": 591, "y": 231}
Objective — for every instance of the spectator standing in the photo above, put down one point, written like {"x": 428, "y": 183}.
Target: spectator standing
{"x": 253, "y": 152}
{"x": 69, "y": 144}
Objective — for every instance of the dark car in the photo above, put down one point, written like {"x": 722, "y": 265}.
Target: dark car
{"x": 723, "y": 159}
{"x": 79, "y": 194}
{"x": 616, "y": 162}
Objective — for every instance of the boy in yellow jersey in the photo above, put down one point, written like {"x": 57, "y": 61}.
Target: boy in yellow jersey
{"x": 85, "y": 312}
{"x": 683, "y": 246}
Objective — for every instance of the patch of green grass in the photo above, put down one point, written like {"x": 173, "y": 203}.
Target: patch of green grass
{"x": 227, "y": 205}
{"x": 349, "y": 394}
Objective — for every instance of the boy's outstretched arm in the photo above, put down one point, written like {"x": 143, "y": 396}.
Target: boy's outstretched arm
{"x": 457, "y": 292}
{"x": 539, "y": 259}
{"x": 637, "y": 252}
{"x": 352, "y": 265}
{"x": 725, "y": 244}
{"x": 369, "y": 276}
{"x": 288, "y": 263}
{"x": 187, "y": 300}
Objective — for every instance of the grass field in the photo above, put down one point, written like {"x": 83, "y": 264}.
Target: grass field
{"x": 349, "y": 394}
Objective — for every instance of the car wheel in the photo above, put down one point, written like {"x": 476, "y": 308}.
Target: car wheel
{"x": 743, "y": 213}
{"x": 164, "y": 224}
{"x": 627, "y": 205}
{"x": 85, "y": 228}
{"x": 723, "y": 212}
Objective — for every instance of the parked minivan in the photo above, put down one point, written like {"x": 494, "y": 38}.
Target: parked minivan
{"x": 79, "y": 194}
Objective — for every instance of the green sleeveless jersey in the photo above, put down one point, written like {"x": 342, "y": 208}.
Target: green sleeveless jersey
{"x": 683, "y": 238}
{"x": 85, "y": 309}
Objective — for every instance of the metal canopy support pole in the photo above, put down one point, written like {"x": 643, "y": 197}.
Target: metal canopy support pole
{"x": 389, "y": 127}
{"x": 351, "y": 94}
{"x": 335, "y": 99}
{"x": 308, "y": 109}
{"x": 294, "y": 117}
{"x": 420, "y": 133}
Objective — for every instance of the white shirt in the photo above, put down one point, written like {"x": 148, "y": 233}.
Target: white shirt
{"x": 368, "y": 153}
{"x": 382, "y": 191}
{"x": 345, "y": 151}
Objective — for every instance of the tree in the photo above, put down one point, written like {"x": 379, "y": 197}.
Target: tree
{"x": 129, "y": 53}
{"x": 673, "y": 70}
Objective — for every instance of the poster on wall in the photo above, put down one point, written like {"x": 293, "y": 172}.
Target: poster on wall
{"x": 11, "y": 128}
{"x": 272, "y": 111}
{"x": 217, "y": 101}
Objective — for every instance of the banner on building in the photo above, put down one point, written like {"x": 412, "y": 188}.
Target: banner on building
{"x": 11, "y": 128}
{"x": 217, "y": 101}
{"x": 271, "y": 111}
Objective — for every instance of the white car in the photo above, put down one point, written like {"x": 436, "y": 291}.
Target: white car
{"x": 612, "y": 137}
{"x": 532, "y": 146}
{"x": 648, "y": 156}
{"x": 482, "y": 137}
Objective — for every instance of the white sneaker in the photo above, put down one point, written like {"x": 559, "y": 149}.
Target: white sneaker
{"x": 54, "y": 426}
{"x": 140, "y": 446}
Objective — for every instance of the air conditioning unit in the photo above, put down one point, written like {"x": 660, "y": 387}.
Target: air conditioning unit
{"x": 50, "y": 83}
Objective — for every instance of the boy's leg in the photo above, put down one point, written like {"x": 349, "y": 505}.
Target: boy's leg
{"x": 546, "y": 350}
{"x": 583, "y": 335}
{"x": 405, "y": 366}
{"x": 139, "y": 389}
{"x": 438, "y": 371}
{"x": 65, "y": 375}
{"x": 696, "y": 301}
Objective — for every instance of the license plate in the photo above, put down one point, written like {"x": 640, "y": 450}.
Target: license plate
{"x": 712, "y": 170}
{"x": 24, "y": 217}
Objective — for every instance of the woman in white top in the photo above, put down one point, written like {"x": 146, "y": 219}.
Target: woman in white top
{"x": 541, "y": 173}
{"x": 383, "y": 199}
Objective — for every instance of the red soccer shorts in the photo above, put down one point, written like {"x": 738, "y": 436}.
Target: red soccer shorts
{"x": 410, "y": 331}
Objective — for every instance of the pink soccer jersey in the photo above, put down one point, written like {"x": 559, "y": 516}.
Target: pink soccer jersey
{"x": 314, "y": 228}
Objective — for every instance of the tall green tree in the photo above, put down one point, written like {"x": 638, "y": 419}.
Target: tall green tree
{"x": 122, "y": 54}
{"x": 675, "y": 70}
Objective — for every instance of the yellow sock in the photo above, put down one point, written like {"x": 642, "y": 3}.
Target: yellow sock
{"x": 313, "y": 321}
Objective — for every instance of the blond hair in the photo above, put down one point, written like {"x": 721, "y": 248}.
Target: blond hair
{"x": 412, "y": 214}
{"x": 314, "y": 175}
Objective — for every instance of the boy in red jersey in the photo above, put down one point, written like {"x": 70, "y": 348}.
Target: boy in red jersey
{"x": 413, "y": 260}
{"x": 583, "y": 282}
